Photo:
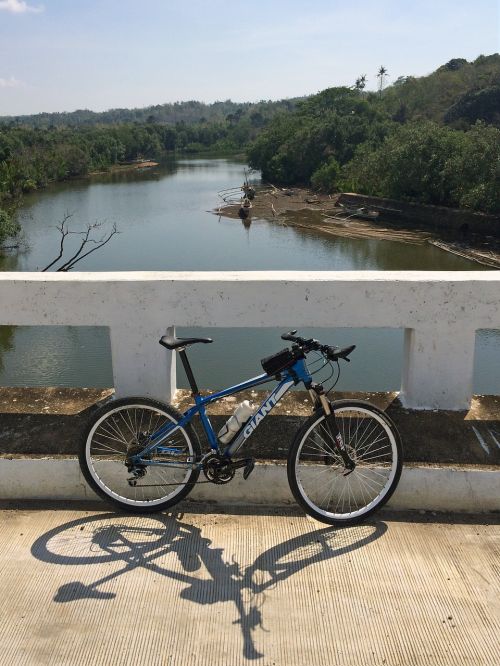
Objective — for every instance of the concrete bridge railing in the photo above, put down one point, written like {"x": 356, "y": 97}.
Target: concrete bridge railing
{"x": 439, "y": 312}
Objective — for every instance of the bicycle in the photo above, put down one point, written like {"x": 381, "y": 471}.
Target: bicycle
{"x": 343, "y": 464}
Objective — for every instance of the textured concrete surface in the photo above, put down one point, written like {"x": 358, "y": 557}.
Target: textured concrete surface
{"x": 88, "y": 587}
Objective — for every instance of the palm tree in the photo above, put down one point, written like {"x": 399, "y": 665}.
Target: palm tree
{"x": 360, "y": 82}
{"x": 382, "y": 72}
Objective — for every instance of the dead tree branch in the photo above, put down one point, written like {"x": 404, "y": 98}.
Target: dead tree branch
{"x": 64, "y": 231}
{"x": 98, "y": 244}
{"x": 86, "y": 240}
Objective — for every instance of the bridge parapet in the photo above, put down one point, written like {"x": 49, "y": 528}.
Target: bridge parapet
{"x": 439, "y": 311}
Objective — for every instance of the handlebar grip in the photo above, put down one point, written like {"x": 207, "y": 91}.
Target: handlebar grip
{"x": 290, "y": 336}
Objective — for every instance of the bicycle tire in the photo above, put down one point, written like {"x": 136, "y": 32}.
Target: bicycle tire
{"x": 113, "y": 429}
{"x": 316, "y": 470}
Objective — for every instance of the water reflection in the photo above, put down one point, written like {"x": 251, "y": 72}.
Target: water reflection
{"x": 376, "y": 362}
{"x": 9, "y": 261}
{"x": 373, "y": 254}
{"x": 6, "y": 342}
{"x": 55, "y": 356}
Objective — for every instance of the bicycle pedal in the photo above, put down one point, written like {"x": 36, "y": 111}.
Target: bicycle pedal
{"x": 248, "y": 469}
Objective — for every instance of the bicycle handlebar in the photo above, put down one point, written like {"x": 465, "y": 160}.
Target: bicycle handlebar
{"x": 332, "y": 353}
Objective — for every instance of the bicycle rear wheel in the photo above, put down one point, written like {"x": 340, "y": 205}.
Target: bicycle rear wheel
{"x": 119, "y": 427}
{"x": 317, "y": 474}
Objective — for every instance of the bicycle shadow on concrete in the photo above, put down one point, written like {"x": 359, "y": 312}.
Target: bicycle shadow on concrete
{"x": 143, "y": 541}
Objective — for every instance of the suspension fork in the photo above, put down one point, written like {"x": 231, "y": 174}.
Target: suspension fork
{"x": 317, "y": 393}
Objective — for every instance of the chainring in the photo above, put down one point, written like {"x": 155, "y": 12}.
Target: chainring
{"x": 218, "y": 470}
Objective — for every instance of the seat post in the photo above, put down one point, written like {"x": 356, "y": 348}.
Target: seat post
{"x": 189, "y": 372}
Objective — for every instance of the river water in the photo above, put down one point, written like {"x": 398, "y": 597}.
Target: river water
{"x": 164, "y": 223}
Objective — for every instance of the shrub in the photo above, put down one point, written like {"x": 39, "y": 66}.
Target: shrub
{"x": 8, "y": 227}
{"x": 325, "y": 178}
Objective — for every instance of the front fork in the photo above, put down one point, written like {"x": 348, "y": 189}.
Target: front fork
{"x": 319, "y": 398}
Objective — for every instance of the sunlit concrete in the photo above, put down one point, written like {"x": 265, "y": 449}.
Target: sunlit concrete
{"x": 89, "y": 587}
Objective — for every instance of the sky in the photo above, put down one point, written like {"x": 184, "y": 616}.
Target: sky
{"x": 62, "y": 55}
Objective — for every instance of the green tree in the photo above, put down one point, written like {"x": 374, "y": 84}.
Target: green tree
{"x": 381, "y": 74}
{"x": 360, "y": 83}
{"x": 295, "y": 145}
{"x": 431, "y": 164}
{"x": 325, "y": 178}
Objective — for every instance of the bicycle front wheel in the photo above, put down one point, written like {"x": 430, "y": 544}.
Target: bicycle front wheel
{"x": 316, "y": 472}
{"x": 116, "y": 431}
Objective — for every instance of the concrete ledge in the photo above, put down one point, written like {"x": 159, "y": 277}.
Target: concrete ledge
{"x": 49, "y": 422}
{"x": 471, "y": 489}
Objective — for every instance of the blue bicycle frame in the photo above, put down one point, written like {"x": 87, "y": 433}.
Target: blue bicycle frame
{"x": 297, "y": 373}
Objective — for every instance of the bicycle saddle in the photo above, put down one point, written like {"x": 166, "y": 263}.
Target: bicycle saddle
{"x": 171, "y": 342}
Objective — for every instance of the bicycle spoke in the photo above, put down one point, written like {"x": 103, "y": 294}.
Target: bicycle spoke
{"x": 113, "y": 428}
{"x": 111, "y": 438}
{"x": 331, "y": 492}
{"x": 105, "y": 447}
{"x": 368, "y": 447}
{"x": 367, "y": 434}
{"x": 382, "y": 456}
{"x": 367, "y": 481}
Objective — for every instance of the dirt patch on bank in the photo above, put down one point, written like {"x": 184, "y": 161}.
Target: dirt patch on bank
{"x": 274, "y": 202}
{"x": 127, "y": 166}
{"x": 303, "y": 208}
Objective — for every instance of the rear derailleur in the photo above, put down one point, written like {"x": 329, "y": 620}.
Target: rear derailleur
{"x": 137, "y": 471}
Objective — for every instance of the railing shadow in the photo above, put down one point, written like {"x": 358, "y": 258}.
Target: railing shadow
{"x": 143, "y": 541}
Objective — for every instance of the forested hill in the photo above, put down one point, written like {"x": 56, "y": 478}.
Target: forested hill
{"x": 434, "y": 139}
{"x": 179, "y": 112}
{"x": 458, "y": 92}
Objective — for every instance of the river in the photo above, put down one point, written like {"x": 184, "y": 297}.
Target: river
{"x": 163, "y": 216}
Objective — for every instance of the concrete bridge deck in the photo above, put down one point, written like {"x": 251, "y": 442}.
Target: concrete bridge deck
{"x": 84, "y": 586}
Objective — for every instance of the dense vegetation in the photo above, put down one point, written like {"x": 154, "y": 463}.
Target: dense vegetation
{"x": 323, "y": 132}
{"x": 171, "y": 114}
{"x": 434, "y": 139}
{"x": 447, "y": 95}
{"x": 431, "y": 164}
{"x": 32, "y": 156}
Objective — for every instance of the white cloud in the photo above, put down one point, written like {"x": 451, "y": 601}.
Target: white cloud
{"x": 10, "y": 83}
{"x": 19, "y": 7}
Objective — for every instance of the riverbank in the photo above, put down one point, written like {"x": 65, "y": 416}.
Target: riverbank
{"x": 336, "y": 215}
{"x": 128, "y": 166}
